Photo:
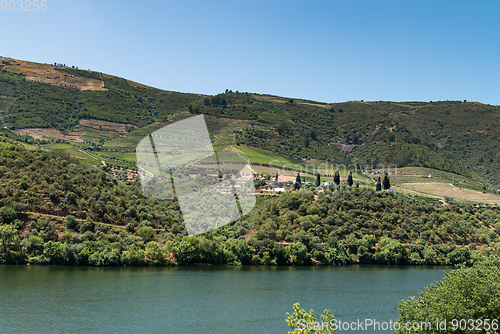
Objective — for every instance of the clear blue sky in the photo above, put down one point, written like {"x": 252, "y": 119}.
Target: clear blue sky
{"x": 329, "y": 51}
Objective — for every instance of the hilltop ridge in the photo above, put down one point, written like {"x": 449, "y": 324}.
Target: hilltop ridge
{"x": 109, "y": 114}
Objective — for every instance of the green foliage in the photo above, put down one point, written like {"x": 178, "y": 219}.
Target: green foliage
{"x": 386, "y": 183}
{"x": 336, "y": 178}
{"x": 298, "y": 182}
{"x": 8, "y": 214}
{"x": 437, "y": 135}
{"x": 145, "y": 232}
{"x": 71, "y": 222}
{"x": 302, "y": 322}
{"x": 8, "y": 235}
{"x": 58, "y": 210}
{"x": 349, "y": 179}
{"x": 43, "y": 105}
{"x": 464, "y": 293}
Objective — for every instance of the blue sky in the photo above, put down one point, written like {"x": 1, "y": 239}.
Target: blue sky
{"x": 330, "y": 51}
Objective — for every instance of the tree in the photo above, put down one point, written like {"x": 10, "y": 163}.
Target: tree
{"x": 306, "y": 143}
{"x": 71, "y": 222}
{"x": 302, "y": 322}
{"x": 71, "y": 197}
{"x": 318, "y": 180}
{"x": 336, "y": 178}
{"x": 379, "y": 185}
{"x": 8, "y": 214}
{"x": 386, "y": 183}
{"x": 464, "y": 293}
{"x": 8, "y": 234}
{"x": 145, "y": 232}
{"x": 349, "y": 179}
{"x": 298, "y": 183}
{"x": 276, "y": 179}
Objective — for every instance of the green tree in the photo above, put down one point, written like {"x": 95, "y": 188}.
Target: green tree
{"x": 186, "y": 253}
{"x": 145, "y": 232}
{"x": 155, "y": 254}
{"x": 298, "y": 182}
{"x": 71, "y": 197}
{"x": 336, "y": 178}
{"x": 318, "y": 180}
{"x": 302, "y": 322}
{"x": 349, "y": 179}
{"x": 8, "y": 234}
{"x": 379, "y": 185}
{"x": 8, "y": 214}
{"x": 386, "y": 183}
{"x": 71, "y": 222}
{"x": 464, "y": 293}
{"x": 296, "y": 253}
{"x": 134, "y": 256}
{"x": 54, "y": 251}
{"x": 32, "y": 244}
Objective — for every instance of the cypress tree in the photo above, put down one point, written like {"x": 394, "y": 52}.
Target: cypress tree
{"x": 318, "y": 180}
{"x": 336, "y": 178}
{"x": 349, "y": 179}
{"x": 379, "y": 185}
{"x": 386, "y": 183}
{"x": 298, "y": 183}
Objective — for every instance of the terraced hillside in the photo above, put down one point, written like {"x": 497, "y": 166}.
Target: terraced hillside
{"x": 108, "y": 116}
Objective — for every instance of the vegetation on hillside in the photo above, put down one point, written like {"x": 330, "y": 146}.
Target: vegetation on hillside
{"x": 454, "y": 136}
{"x": 57, "y": 210}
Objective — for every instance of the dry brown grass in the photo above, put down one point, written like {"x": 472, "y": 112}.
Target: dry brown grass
{"x": 441, "y": 190}
{"x": 51, "y": 75}
{"x": 104, "y": 125}
{"x": 41, "y": 133}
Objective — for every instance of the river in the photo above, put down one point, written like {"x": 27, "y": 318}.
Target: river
{"x": 248, "y": 299}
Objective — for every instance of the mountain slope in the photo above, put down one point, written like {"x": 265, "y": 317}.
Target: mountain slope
{"x": 459, "y": 137}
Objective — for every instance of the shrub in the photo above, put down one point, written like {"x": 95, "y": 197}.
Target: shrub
{"x": 464, "y": 293}
{"x": 71, "y": 222}
{"x": 145, "y": 232}
{"x": 8, "y": 214}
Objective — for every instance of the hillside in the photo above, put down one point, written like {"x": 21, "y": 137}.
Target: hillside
{"x": 110, "y": 115}
{"x": 55, "y": 209}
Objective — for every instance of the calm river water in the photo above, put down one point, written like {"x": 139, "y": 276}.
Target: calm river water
{"x": 43, "y": 299}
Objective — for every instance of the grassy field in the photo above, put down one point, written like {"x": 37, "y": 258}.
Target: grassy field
{"x": 443, "y": 190}
{"x": 258, "y": 155}
{"x": 415, "y": 180}
{"x": 74, "y": 151}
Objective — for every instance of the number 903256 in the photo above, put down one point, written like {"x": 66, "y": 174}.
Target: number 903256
{"x": 23, "y": 5}
{"x": 475, "y": 325}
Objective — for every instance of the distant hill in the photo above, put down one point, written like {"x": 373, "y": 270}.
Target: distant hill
{"x": 62, "y": 102}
